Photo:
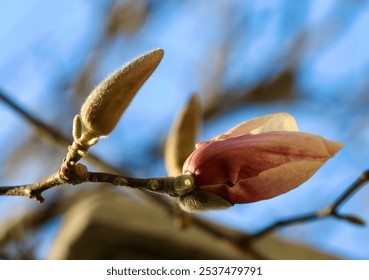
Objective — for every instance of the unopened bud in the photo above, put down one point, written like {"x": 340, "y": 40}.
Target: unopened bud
{"x": 198, "y": 201}
{"x": 182, "y": 136}
{"x": 105, "y": 105}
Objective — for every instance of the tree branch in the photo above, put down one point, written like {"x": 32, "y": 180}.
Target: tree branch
{"x": 330, "y": 211}
{"x": 33, "y": 191}
{"x": 77, "y": 173}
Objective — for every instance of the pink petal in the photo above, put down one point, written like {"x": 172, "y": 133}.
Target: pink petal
{"x": 254, "y": 167}
{"x": 267, "y": 184}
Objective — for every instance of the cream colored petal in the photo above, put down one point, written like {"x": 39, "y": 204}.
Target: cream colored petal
{"x": 272, "y": 122}
{"x": 277, "y": 122}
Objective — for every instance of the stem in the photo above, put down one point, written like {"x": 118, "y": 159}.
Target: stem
{"x": 286, "y": 222}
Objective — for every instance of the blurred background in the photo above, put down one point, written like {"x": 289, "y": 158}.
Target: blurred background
{"x": 244, "y": 59}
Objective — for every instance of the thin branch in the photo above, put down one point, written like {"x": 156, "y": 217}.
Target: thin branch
{"x": 363, "y": 178}
{"x": 50, "y": 131}
{"x": 330, "y": 211}
{"x": 173, "y": 186}
{"x": 33, "y": 191}
{"x": 54, "y": 134}
{"x": 77, "y": 173}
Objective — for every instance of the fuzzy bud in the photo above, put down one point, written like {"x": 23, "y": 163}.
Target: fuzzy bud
{"x": 105, "y": 105}
{"x": 182, "y": 136}
{"x": 198, "y": 201}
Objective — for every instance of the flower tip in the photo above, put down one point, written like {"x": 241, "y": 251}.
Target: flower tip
{"x": 333, "y": 147}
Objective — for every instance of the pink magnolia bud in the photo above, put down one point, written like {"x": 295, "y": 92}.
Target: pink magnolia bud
{"x": 258, "y": 159}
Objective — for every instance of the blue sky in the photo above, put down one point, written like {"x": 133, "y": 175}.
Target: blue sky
{"x": 43, "y": 41}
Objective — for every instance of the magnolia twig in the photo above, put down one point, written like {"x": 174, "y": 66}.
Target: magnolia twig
{"x": 330, "y": 211}
{"x": 74, "y": 173}
{"x": 173, "y": 186}
{"x": 77, "y": 174}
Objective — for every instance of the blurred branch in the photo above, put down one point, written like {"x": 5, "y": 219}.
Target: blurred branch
{"x": 281, "y": 88}
{"x": 48, "y": 130}
{"x": 54, "y": 134}
{"x": 330, "y": 211}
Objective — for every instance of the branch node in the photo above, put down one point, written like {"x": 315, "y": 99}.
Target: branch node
{"x": 120, "y": 181}
{"x": 153, "y": 184}
{"x": 34, "y": 194}
{"x": 82, "y": 172}
{"x": 328, "y": 211}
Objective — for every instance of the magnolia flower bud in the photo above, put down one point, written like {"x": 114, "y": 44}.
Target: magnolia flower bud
{"x": 253, "y": 162}
{"x": 105, "y": 105}
{"x": 182, "y": 136}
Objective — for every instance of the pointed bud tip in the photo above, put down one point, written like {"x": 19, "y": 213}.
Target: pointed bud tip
{"x": 159, "y": 52}
{"x": 353, "y": 219}
{"x": 152, "y": 57}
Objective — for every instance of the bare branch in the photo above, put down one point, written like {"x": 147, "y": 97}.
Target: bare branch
{"x": 363, "y": 178}
{"x": 77, "y": 173}
{"x": 33, "y": 191}
{"x": 330, "y": 211}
